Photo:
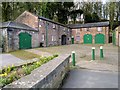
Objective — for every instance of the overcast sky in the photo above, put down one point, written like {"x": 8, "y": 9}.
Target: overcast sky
{"x": 104, "y": 1}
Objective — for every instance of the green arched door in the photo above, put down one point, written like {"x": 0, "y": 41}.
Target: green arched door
{"x": 24, "y": 41}
{"x": 87, "y": 39}
{"x": 99, "y": 39}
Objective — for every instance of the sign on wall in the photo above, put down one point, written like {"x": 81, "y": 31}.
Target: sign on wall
{"x": 77, "y": 38}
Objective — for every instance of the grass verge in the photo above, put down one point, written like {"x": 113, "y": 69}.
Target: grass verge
{"x": 24, "y": 54}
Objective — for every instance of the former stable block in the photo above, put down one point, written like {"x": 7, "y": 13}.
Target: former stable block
{"x": 89, "y": 33}
{"x": 116, "y": 36}
{"x": 51, "y": 33}
{"x": 18, "y": 36}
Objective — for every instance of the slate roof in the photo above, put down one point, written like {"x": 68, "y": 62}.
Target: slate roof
{"x": 46, "y": 19}
{"x": 88, "y": 25}
{"x": 17, "y": 25}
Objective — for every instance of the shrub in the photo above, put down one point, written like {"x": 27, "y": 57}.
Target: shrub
{"x": 55, "y": 55}
{"x": 13, "y": 67}
{"x": 3, "y": 81}
{"x": 8, "y": 69}
{"x": 13, "y": 77}
{"x": 26, "y": 69}
{"x": 0, "y": 71}
{"x": 10, "y": 74}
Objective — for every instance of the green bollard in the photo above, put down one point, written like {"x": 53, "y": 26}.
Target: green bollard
{"x": 73, "y": 58}
{"x": 101, "y": 52}
{"x": 72, "y": 39}
{"x": 93, "y": 53}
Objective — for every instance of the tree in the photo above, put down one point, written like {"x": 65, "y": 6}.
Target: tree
{"x": 63, "y": 10}
{"x": 112, "y": 13}
{"x": 6, "y": 11}
{"x": 74, "y": 14}
{"x": 95, "y": 17}
{"x": 88, "y": 18}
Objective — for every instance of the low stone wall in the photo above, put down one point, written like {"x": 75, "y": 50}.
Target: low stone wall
{"x": 49, "y": 75}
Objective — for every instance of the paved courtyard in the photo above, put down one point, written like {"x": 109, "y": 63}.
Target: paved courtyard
{"x": 8, "y": 60}
{"x": 83, "y": 56}
{"x": 89, "y": 73}
{"x": 80, "y": 78}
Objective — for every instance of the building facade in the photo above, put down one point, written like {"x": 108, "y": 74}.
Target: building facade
{"x": 17, "y": 36}
{"x": 50, "y": 33}
{"x": 116, "y": 36}
{"x": 91, "y": 33}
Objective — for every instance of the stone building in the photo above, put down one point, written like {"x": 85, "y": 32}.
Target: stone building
{"x": 116, "y": 36}
{"x": 89, "y": 33}
{"x": 50, "y": 33}
{"x": 18, "y": 36}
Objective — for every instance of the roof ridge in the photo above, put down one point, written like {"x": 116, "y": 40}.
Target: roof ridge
{"x": 8, "y": 23}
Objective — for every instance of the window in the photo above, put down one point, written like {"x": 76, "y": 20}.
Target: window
{"x": 64, "y": 28}
{"x": 99, "y": 29}
{"x": 40, "y": 20}
{"x": 54, "y": 26}
{"x": 40, "y": 25}
{"x": 43, "y": 37}
{"x": 78, "y": 31}
{"x": 86, "y": 29}
{"x": 68, "y": 30}
{"x": 53, "y": 38}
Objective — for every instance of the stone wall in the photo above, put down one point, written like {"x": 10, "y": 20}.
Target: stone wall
{"x": 93, "y": 31}
{"x": 28, "y": 19}
{"x": 53, "y": 34}
{"x": 13, "y": 39}
{"x": 117, "y": 30}
{"x": 49, "y": 75}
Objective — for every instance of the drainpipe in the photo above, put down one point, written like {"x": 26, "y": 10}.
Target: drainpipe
{"x": 46, "y": 34}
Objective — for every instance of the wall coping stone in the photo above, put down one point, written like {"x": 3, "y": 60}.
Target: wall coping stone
{"x": 38, "y": 74}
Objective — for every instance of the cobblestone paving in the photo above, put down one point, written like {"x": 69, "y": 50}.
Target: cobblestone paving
{"x": 83, "y": 56}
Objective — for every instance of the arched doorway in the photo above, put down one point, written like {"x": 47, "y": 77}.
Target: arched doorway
{"x": 63, "y": 39}
{"x": 24, "y": 41}
{"x": 99, "y": 39}
{"x": 87, "y": 39}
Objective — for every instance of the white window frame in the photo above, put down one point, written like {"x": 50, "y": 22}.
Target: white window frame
{"x": 52, "y": 38}
{"x": 54, "y": 26}
{"x": 43, "y": 37}
{"x": 40, "y": 25}
{"x": 99, "y": 29}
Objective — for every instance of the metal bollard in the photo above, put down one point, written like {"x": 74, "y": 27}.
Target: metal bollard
{"x": 93, "y": 53}
{"x": 101, "y": 52}
{"x": 73, "y": 58}
{"x": 72, "y": 39}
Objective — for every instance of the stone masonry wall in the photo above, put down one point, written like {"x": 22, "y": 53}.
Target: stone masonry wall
{"x": 117, "y": 30}
{"x": 13, "y": 39}
{"x": 28, "y": 19}
{"x": 54, "y": 33}
{"x": 49, "y": 75}
{"x": 94, "y": 30}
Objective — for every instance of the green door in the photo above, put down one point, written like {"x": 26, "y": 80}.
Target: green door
{"x": 24, "y": 41}
{"x": 114, "y": 38}
{"x": 99, "y": 39}
{"x": 87, "y": 39}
